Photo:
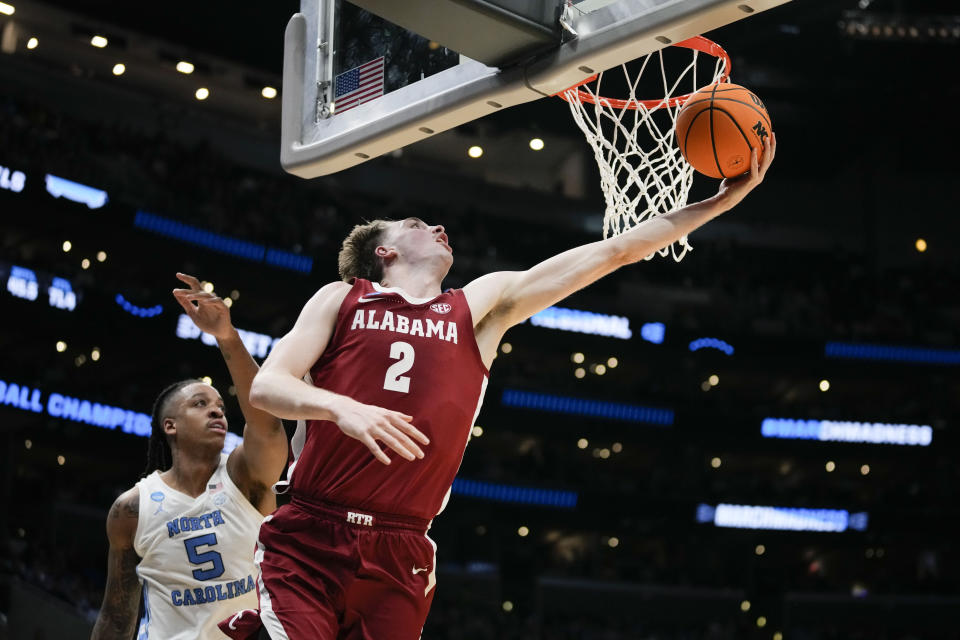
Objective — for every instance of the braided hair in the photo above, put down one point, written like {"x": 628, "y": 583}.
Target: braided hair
{"x": 159, "y": 456}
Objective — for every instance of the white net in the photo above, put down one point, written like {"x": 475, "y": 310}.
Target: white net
{"x": 642, "y": 172}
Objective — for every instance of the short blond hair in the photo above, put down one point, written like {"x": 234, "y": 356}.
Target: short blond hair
{"x": 357, "y": 257}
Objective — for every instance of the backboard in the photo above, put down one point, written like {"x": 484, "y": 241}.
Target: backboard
{"x": 365, "y": 78}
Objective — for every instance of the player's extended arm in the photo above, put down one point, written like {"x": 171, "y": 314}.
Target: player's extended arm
{"x": 258, "y": 462}
{"x": 117, "y": 619}
{"x": 280, "y": 389}
{"x": 512, "y": 297}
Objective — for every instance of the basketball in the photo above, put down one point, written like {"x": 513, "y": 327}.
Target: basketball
{"x": 718, "y": 127}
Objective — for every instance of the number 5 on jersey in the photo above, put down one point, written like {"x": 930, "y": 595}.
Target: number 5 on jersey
{"x": 395, "y": 380}
{"x": 209, "y": 555}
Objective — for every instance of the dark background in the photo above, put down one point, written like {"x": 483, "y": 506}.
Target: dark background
{"x": 823, "y": 251}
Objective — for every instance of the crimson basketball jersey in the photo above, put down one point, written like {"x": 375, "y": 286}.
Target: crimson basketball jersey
{"x": 415, "y": 356}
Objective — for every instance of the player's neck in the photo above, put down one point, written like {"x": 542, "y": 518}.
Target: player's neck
{"x": 417, "y": 282}
{"x": 189, "y": 473}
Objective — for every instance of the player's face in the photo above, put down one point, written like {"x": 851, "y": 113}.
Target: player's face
{"x": 199, "y": 418}
{"x": 416, "y": 240}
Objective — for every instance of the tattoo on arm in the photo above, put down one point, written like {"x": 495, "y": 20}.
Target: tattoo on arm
{"x": 118, "y": 613}
{"x": 121, "y": 599}
{"x": 126, "y": 509}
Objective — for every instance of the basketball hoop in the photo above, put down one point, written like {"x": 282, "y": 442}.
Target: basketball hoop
{"x": 642, "y": 172}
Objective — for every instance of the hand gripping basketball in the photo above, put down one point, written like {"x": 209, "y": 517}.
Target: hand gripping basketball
{"x": 733, "y": 190}
{"x": 370, "y": 424}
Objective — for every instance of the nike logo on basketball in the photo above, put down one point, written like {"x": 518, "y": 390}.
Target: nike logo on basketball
{"x": 416, "y": 570}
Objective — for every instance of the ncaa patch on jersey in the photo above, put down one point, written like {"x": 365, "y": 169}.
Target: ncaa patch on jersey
{"x": 441, "y": 307}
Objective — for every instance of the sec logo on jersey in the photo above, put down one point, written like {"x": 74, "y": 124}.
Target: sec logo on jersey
{"x": 441, "y": 307}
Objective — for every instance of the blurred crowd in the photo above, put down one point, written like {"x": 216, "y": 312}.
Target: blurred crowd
{"x": 723, "y": 286}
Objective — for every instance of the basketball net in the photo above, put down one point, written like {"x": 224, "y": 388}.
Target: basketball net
{"x": 642, "y": 172}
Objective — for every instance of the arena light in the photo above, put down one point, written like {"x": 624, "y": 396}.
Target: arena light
{"x": 185, "y": 67}
{"x": 11, "y": 180}
{"x": 536, "y": 144}
{"x": 75, "y": 192}
{"x": 22, "y": 283}
{"x": 742, "y": 516}
{"x": 258, "y": 344}
{"x": 61, "y": 295}
{"x": 891, "y": 353}
{"x": 221, "y": 243}
{"x": 119, "y": 69}
{"x": 514, "y": 494}
{"x": 475, "y": 151}
{"x": 134, "y": 310}
{"x": 288, "y": 260}
{"x": 653, "y": 332}
{"x": 586, "y": 407}
{"x": 712, "y": 343}
{"x": 32, "y": 43}
{"x": 846, "y": 431}
{"x": 598, "y": 324}
{"x": 99, "y": 42}
{"x": 7, "y": 9}
{"x": 920, "y": 245}
{"x": 269, "y": 93}
{"x": 85, "y": 411}
{"x": 202, "y": 93}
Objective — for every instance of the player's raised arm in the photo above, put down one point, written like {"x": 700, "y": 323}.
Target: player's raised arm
{"x": 280, "y": 389}
{"x": 258, "y": 462}
{"x": 512, "y": 297}
{"x": 117, "y": 619}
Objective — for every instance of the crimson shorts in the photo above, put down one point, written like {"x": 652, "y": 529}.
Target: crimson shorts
{"x": 331, "y": 572}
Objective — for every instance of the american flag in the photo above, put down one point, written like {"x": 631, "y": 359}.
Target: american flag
{"x": 360, "y": 84}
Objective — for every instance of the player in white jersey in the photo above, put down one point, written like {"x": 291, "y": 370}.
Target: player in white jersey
{"x": 187, "y": 531}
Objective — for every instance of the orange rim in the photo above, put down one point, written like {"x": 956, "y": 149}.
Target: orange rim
{"x": 698, "y": 43}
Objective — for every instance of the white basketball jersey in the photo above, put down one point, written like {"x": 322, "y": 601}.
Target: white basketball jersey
{"x": 196, "y": 555}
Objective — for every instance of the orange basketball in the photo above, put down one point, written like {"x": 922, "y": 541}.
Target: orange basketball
{"x": 717, "y": 128}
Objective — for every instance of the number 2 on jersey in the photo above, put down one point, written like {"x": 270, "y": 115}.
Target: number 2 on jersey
{"x": 395, "y": 380}
{"x": 210, "y": 555}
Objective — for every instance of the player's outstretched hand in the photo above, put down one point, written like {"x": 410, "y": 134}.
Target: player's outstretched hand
{"x": 370, "y": 424}
{"x": 207, "y": 310}
{"x": 733, "y": 190}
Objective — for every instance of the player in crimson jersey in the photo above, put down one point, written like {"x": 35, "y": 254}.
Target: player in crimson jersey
{"x": 395, "y": 362}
